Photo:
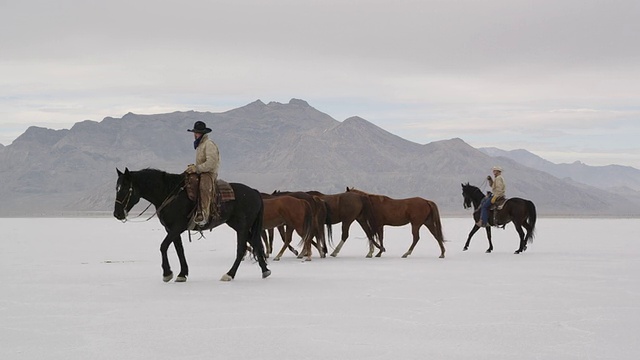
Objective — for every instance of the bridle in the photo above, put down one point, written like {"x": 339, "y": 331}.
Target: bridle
{"x": 125, "y": 202}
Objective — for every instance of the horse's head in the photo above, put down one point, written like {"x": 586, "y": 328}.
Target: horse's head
{"x": 467, "y": 194}
{"x": 127, "y": 195}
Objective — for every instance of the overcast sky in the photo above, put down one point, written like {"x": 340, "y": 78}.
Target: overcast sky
{"x": 558, "y": 78}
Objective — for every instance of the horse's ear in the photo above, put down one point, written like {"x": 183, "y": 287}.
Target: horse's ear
{"x": 126, "y": 171}
{"x": 119, "y": 173}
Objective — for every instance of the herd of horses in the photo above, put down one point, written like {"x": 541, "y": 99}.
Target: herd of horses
{"x": 254, "y": 216}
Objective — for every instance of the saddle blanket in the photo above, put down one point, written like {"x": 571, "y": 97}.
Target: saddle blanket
{"x": 225, "y": 190}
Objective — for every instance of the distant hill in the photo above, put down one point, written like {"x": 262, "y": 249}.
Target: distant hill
{"x": 610, "y": 177}
{"x": 271, "y": 146}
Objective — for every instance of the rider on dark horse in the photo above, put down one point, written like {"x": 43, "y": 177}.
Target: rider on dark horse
{"x": 207, "y": 163}
{"x": 498, "y": 190}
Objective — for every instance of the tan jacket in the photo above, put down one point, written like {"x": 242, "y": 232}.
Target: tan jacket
{"x": 498, "y": 187}
{"x": 207, "y": 157}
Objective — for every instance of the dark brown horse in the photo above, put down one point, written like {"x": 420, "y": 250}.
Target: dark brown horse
{"x": 346, "y": 208}
{"x": 521, "y": 212}
{"x": 399, "y": 212}
{"x": 320, "y": 214}
{"x": 294, "y": 213}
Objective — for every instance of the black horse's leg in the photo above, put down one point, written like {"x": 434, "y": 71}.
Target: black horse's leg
{"x": 167, "y": 275}
{"x": 241, "y": 248}
{"x": 184, "y": 268}
{"x": 490, "y": 249}
{"x": 471, "y": 233}
{"x": 523, "y": 245}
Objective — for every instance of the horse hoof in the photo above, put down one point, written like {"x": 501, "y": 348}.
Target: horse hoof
{"x": 181, "y": 279}
{"x": 404, "y": 256}
{"x": 276, "y": 259}
{"x": 441, "y": 256}
{"x": 265, "y": 274}
{"x": 167, "y": 278}
{"x": 333, "y": 254}
{"x": 465, "y": 248}
{"x": 226, "y": 277}
{"x": 488, "y": 251}
{"x": 517, "y": 252}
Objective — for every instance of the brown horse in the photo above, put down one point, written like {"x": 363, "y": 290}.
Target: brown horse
{"x": 320, "y": 213}
{"x": 294, "y": 213}
{"x": 346, "y": 208}
{"x": 399, "y": 212}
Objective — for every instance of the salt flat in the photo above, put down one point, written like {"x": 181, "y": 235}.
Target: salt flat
{"x": 77, "y": 288}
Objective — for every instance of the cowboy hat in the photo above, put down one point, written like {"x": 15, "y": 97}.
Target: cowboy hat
{"x": 200, "y": 127}
{"x": 497, "y": 168}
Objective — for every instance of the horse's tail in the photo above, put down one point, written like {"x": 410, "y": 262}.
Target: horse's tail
{"x": 531, "y": 220}
{"x": 255, "y": 234}
{"x": 435, "y": 220}
{"x": 370, "y": 223}
{"x": 307, "y": 224}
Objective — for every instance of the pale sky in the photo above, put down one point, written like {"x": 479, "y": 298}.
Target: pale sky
{"x": 558, "y": 78}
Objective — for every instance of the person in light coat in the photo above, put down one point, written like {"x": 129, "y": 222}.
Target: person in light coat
{"x": 206, "y": 165}
{"x": 498, "y": 190}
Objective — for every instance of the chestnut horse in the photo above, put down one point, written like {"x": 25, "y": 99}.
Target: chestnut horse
{"x": 399, "y": 212}
{"x": 294, "y": 213}
{"x": 319, "y": 213}
{"x": 346, "y": 208}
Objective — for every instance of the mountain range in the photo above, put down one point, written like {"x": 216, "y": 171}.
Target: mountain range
{"x": 291, "y": 146}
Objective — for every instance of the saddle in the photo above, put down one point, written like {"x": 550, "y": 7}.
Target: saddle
{"x": 223, "y": 193}
{"x": 500, "y": 201}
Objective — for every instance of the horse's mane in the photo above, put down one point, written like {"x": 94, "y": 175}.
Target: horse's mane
{"x": 156, "y": 178}
{"x": 471, "y": 189}
{"x": 357, "y": 191}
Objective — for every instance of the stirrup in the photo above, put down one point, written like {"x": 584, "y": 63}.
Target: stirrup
{"x": 199, "y": 219}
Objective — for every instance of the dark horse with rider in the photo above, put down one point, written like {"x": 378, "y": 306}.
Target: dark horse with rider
{"x": 495, "y": 209}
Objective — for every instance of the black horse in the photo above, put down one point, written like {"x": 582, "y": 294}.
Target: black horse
{"x": 521, "y": 212}
{"x": 166, "y": 192}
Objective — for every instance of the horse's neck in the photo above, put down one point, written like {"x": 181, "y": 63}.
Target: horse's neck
{"x": 477, "y": 202}
{"x": 476, "y": 197}
{"x": 154, "y": 189}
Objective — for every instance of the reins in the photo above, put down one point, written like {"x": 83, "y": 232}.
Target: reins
{"x": 172, "y": 195}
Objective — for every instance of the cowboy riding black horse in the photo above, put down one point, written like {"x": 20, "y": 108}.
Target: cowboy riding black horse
{"x": 521, "y": 212}
{"x": 173, "y": 208}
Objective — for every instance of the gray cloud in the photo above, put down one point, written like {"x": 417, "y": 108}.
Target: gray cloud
{"x": 486, "y": 66}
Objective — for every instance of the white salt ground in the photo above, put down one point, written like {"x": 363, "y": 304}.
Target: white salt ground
{"x": 92, "y": 289}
